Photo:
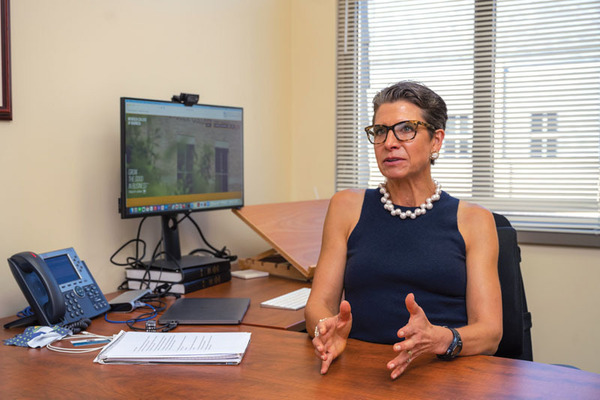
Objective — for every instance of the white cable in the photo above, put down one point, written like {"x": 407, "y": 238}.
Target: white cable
{"x": 82, "y": 335}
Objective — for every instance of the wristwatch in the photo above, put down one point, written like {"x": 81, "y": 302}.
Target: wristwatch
{"x": 454, "y": 348}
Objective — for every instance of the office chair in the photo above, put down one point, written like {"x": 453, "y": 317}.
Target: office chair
{"x": 516, "y": 319}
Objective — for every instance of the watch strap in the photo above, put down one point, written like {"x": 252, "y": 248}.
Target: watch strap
{"x": 454, "y": 348}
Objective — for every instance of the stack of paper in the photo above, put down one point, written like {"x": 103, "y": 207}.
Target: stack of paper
{"x": 181, "y": 347}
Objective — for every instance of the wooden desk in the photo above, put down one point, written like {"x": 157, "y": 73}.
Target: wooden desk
{"x": 281, "y": 364}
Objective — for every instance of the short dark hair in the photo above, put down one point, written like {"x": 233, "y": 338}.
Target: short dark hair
{"x": 433, "y": 106}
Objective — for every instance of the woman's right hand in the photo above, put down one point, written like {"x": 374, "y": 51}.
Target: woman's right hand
{"x": 331, "y": 335}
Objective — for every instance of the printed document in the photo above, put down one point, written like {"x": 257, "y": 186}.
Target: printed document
{"x": 179, "y": 347}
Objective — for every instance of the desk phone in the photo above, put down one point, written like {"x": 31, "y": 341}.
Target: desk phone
{"x": 58, "y": 286}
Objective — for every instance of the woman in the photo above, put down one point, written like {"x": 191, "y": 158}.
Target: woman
{"x": 417, "y": 267}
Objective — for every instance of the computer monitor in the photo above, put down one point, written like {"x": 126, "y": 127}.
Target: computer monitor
{"x": 177, "y": 158}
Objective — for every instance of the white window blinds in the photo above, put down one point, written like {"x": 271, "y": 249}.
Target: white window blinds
{"x": 521, "y": 79}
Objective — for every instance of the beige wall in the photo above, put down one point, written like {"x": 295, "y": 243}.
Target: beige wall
{"x": 313, "y": 99}
{"x": 563, "y": 294}
{"x": 59, "y": 159}
{"x": 72, "y": 60}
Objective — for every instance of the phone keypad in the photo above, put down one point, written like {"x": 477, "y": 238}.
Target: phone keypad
{"x": 80, "y": 299}
{"x": 74, "y": 309}
{"x": 96, "y": 297}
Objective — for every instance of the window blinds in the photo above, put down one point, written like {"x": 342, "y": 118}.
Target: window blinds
{"x": 521, "y": 79}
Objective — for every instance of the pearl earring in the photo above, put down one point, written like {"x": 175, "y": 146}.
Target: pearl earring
{"x": 435, "y": 155}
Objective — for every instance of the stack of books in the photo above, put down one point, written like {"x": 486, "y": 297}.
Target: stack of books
{"x": 205, "y": 272}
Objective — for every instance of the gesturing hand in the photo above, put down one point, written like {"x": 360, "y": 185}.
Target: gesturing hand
{"x": 332, "y": 336}
{"x": 420, "y": 337}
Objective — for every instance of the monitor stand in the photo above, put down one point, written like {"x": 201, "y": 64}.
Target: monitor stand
{"x": 173, "y": 260}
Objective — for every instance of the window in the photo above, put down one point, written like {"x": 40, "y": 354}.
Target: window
{"x": 544, "y": 135}
{"x": 521, "y": 79}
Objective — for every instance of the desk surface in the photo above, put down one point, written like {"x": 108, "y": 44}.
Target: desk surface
{"x": 281, "y": 364}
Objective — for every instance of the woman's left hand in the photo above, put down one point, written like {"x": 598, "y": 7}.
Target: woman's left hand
{"x": 420, "y": 337}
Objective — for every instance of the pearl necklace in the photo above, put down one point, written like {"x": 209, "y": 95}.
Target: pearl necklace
{"x": 422, "y": 209}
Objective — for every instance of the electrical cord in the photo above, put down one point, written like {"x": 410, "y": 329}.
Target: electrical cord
{"x": 141, "y": 318}
{"x": 147, "y": 316}
{"x": 26, "y": 312}
{"x": 151, "y": 325}
{"x": 136, "y": 262}
{"x": 223, "y": 253}
{"x": 132, "y": 261}
{"x": 78, "y": 326}
{"x": 85, "y": 337}
{"x": 141, "y": 246}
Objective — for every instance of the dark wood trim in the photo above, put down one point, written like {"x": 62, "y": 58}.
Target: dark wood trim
{"x": 6, "y": 106}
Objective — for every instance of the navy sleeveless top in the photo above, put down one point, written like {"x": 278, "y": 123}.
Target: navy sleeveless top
{"x": 388, "y": 258}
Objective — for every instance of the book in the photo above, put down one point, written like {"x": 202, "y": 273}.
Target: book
{"x": 214, "y": 267}
{"x": 184, "y": 262}
{"x": 223, "y": 348}
{"x": 181, "y": 287}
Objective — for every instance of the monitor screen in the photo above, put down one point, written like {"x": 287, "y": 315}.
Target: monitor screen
{"x": 177, "y": 158}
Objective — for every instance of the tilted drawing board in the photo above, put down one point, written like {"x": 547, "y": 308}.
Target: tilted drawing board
{"x": 293, "y": 229}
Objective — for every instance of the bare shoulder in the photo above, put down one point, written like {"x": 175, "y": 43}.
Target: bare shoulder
{"x": 471, "y": 212}
{"x": 475, "y": 221}
{"x": 344, "y": 208}
{"x": 348, "y": 198}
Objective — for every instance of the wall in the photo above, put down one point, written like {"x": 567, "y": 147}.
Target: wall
{"x": 72, "y": 60}
{"x": 59, "y": 160}
{"x": 313, "y": 99}
{"x": 562, "y": 288}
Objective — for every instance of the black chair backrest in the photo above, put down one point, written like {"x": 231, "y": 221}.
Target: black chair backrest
{"x": 516, "y": 319}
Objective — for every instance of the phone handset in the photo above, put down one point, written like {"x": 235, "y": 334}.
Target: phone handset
{"x": 39, "y": 287}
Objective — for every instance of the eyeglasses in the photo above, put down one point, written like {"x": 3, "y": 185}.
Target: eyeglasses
{"x": 403, "y": 131}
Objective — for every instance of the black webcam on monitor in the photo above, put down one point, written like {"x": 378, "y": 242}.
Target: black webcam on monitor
{"x": 187, "y": 99}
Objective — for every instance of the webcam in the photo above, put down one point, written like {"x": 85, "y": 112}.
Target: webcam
{"x": 187, "y": 99}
